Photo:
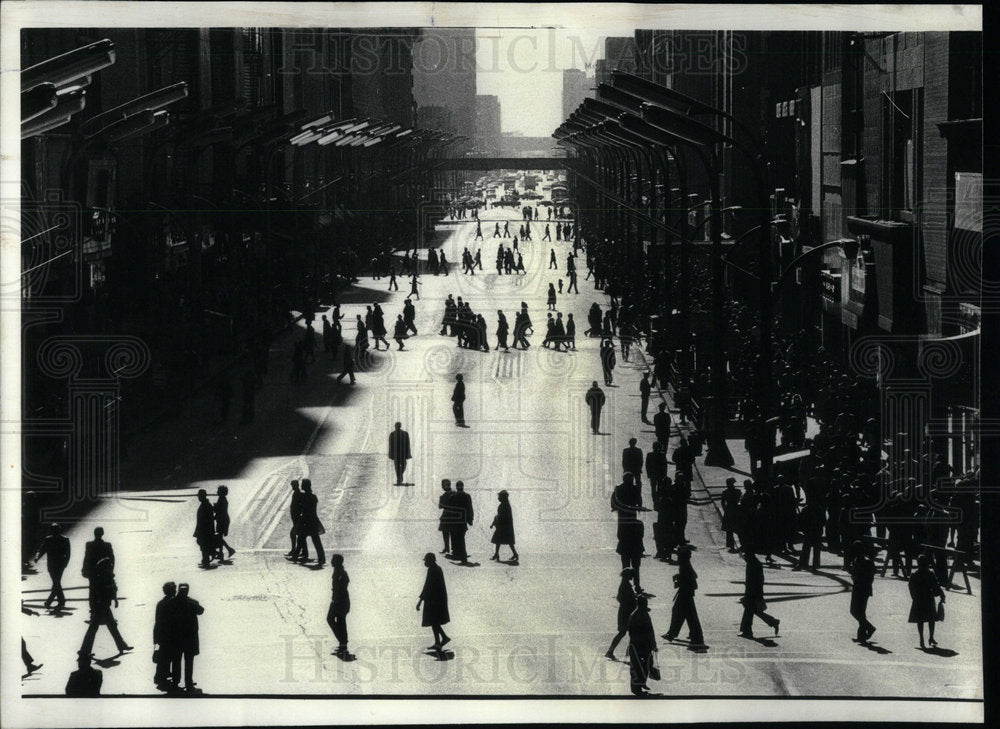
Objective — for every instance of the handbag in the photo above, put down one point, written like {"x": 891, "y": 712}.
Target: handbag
{"x": 654, "y": 669}
{"x": 940, "y": 611}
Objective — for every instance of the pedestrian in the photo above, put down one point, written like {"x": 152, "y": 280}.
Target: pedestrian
{"x": 340, "y": 605}
{"x": 753, "y": 596}
{"x": 502, "y": 331}
{"x": 392, "y": 277}
{"x": 399, "y": 451}
{"x": 414, "y": 286}
{"x": 626, "y": 598}
{"x": 686, "y": 582}
{"x": 399, "y": 331}
{"x": 811, "y": 520}
{"x": 462, "y": 516}
{"x": 862, "y": 577}
{"x": 626, "y": 501}
{"x": 645, "y": 388}
{"x": 311, "y": 525}
{"x": 361, "y": 338}
{"x": 410, "y": 315}
{"x": 552, "y": 259}
{"x": 552, "y": 297}
{"x": 164, "y": 651}
{"x": 295, "y": 511}
{"x": 641, "y": 648}
{"x": 730, "y": 500}
{"x": 503, "y": 527}
{"x": 443, "y": 262}
{"x": 595, "y": 401}
{"x": 347, "y": 370}
{"x": 572, "y": 283}
{"x": 447, "y": 514}
{"x": 103, "y": 591}
{"x": 683, "y": 459}
{"x": 661, "y": 424}
{"x": 608, "y": 360}
{"x": 479, "y": 256}
{"x": 204, "y": 529}
{"x": 434, "y": 598}
{"x": 85, "y": 682}
{"x": 632, "y": 461}
{"x": 656, "y": 469}
{"x": 57, "y": 548}
{"x": 924, "y": 588}
{"x": 548, "y": 234}
{"x": 570, "y": 333}
{"x": 378, "y": 329}
{"x": 458, "y": 401}
{"x": 222, "y": 521}
{"x": 186, "y": 611}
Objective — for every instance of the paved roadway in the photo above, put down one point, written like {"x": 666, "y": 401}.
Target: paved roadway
{"x": 538, "y": 628}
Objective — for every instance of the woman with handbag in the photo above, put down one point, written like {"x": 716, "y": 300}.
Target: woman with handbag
{"x": 924, "y": 588}
{"x": 503, "y": 526}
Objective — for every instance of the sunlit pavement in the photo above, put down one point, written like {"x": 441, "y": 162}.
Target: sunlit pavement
{"x": 541, "y": 627}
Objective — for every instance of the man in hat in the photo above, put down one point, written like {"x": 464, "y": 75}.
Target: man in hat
{"x": 57, "y": 547}
{"x": 730, "y": 500}
{"x": 186, "y": 611}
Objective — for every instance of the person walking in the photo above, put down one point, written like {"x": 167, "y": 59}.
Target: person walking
{"x": 311, "y": 525}
{"x": 414, "y": 288}
{"x": 340, "y": 605}
{"x": 608, "y": 360}
{"x": 924, "y": 588}
{"x": 503, "y": 527}
{"x": 661, "y": 424}
{"x": 479, "y": 231}
{"x": 656, "y": 469}
{"x": 548, "y": 234}
{"x": 458, "y": 401}
{"x": 645, "y": 388}
{"x": 447, "y": 514}
{"x": 552, "y": 259}
{"x": 186, "y": 611}
{"x": 295, "y": 512}
{"x": 863, "y": 577}
{"x": 570, "y": 333}
{"x": 641, "y": 648}
{"x": 96, "y": 550}
{"x": 164, "y": 650}
{"x": 551, "y": 299}
{"x": 503, "y": 329}
{"x": 103, "y": 591}
{"x": 399, "y": 451}
{"x": 572, "y": 283}
{"x": 595, "y": 401}
{"x": 221, "y": 511}
{"x": 626, "y": 598}
{"x": 57, "y": 549}
{"x": 626, "y": 501}
{"x": 434, "y": 598}
{"x": 347, "y": 368}
{"x": 462, "y": 514}
{"x": 204, "y": 529}
{"x": 399, "y": 331}
{"x": 392, "y": 277}
{"x": 632, "y": 461}
{"x": 730, "y": 500}
{"x": 686, "y": 582}
{"x": 753, "y": 596}
{"x": 409, "y": 316}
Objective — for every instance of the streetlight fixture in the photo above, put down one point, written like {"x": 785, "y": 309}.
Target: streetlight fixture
{"x": 68, "y": 67}
{"x": 153, "y": 101}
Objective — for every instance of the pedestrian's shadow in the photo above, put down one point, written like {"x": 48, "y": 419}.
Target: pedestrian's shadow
{"x": 457, "y": 425}
{"x": 60, "y": 612}
{"x": 943, "y": 652}
{"x": 441, "y": 655}
{"x": 766, "y": 642}
{"x": 315, "y": 567}
{"x": 346, "y": 657}
{"x": 405, "y": 484}
{"x": 110, "y": 662}
{"x": 227, "y": 562}
{"x": 511, "y": 562}
{"x": 466, "y": 564}
{"x": 603, "y": 435}
{"x": 207, "y": 566}
{"x": 873, "y": 647}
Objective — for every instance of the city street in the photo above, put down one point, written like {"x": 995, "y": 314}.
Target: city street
{"x": 540, "y": 627}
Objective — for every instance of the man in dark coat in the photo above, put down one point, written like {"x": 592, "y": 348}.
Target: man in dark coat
{"x": 656, "y": 468}
{"x": 458, "y": 401}
{"x": 185, "y": 635}
{"x": 311, "y": 526}
{"x": 661, "y": 422}
{"x": 447, "y": 514}
{"x": 753, "y": 596}
{"x": 340, "y": 604}
{"x": 163, "y": 635}
{"x": 95, "y": 551}
{"x": 863, "y": 576}
{"x": 204, "y": 530}
{"x": 645, "y": 388}
{"x": 103, "y": 592}
{"x": 626, "y": 501}
{"x": 434, "y": 598}
{"x": 409, "y": 316}
{"x": 632, "y": 461}
{"x": 295, "y": 511}
{"x": 462, "y": 516}
{"x": 641, "y": 646}
{"x": 348, "y": 364}
{"x": 730, "y": 500}
{"x": 399, "y": 451}
{"x": 57, "y": 547}
{"x": 595, "y": 401}
{"x": 686, "y": 582}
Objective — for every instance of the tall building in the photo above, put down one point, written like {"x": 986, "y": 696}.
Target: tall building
{"x": 576, "y": 86}
{"x": 487, "y": 124}
{"x": 444, "y": 74}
